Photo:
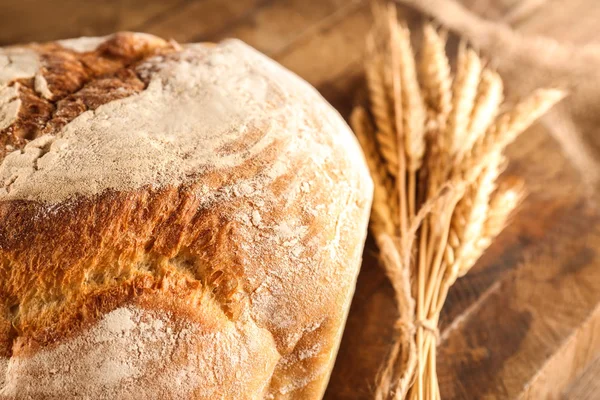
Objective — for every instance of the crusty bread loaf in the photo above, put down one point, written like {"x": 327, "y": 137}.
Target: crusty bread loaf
{"x": 176, "y": 222}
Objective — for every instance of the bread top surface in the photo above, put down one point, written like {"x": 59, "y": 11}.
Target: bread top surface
{"x": 203, "y": 108}
{"x": 202, "y": 190}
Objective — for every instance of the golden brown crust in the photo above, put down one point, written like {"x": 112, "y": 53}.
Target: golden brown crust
{"x": 91, "y": 255}
{"x": 76, "y": 82}
{"x": 264, "y": 267}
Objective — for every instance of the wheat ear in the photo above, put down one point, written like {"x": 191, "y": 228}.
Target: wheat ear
{"x": 413, "y": 116}
{"x": 435, "y": 76}
{"x": 381, "y": 108}
{"x": 525, "y": 113}
{"x": 464, "y": 90}
{"x": 502, "y": 204}
{"x": 382, "y": 214}
{"x": 506, "y": 129}
{"x": 469, "y": 218}
{"x": 487, "y": 103}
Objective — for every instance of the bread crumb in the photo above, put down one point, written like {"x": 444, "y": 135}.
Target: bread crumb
{"x": 41, "y": 86}
{"x": 256, "y": 220}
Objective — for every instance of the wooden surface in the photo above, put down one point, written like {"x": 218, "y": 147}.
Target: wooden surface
{"x": 525, "y": 323}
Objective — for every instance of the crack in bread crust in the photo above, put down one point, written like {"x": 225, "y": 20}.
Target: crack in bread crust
{"x": 76, "y": 82}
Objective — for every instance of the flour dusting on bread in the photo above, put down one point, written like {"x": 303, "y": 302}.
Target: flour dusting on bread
{"x": 9, "y": 105}
{"x": 195, "y": 107}
{"x": 132, "y": 353}
{"x": 17, "y": 63}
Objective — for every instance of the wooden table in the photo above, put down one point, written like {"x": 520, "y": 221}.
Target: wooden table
{"x": 525, "y": 323}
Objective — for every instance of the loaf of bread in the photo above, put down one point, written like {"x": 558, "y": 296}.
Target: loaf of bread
{"x": 176, "y": 222}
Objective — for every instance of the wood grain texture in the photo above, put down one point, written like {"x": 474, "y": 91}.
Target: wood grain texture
{"x": 202, "y": 20}
{"x": 575, "y": 21}
{"x": 525, "y": 323}
{"x": 39, "y": 20}
{"x": 587, "y": 385}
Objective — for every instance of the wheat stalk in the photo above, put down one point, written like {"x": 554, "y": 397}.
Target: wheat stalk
{"x": 436, "y": 203}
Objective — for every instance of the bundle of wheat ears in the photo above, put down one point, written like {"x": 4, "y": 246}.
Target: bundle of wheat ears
{"x": 434, "y": 143}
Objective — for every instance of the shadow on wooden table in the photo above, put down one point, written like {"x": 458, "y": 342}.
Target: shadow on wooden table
{"x": 524, "y": 322}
